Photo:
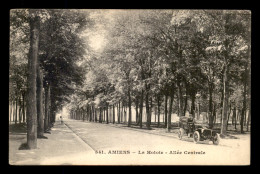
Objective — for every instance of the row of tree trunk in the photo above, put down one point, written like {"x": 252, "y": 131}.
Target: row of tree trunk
{"x": 107, "y": 114}
{"x": 17, "y": 110}
{"x": 38, "y": 101}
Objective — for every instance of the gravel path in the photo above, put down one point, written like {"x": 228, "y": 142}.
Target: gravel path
{"x": 85, "y": 143}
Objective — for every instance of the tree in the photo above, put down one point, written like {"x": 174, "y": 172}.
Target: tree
{"x": 19, "y": 48}
{"x": 229, "y": 29}
{"x": 60, "y": 49}
{"x": 40, "y": 113}
{"x": 31, "y": 97}
{"x": 59, "y": 45}
{"x": 195, "y": 56}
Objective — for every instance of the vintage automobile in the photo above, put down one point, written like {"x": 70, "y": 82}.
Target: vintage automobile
{"x": 197, "y": 132}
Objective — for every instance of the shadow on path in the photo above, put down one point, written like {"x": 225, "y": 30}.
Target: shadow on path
{"x": 19, "y": 128}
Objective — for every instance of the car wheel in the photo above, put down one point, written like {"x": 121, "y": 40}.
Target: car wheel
{"x": 180, "y": 133}
{"x": 216, "y": 139}
{"x": 196, "y": 137}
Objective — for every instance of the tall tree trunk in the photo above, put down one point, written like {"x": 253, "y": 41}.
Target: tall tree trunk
{"x": 248, "y": 119}
{"x": 114, "y": 120}
{"x": 123, "y": 113}
{"x": 96, "y": 115}
{"x": 147, "y": 110}
{"x": 52, "y": 109}
{"x": 83, "y": 113}
{"x": 104, "y": 114}
{"x": 239, "y": 116}
{"x": 39, "y": 102}
{"x": 243, "y": 115}
{"x": 93, "y": 113}
{"x": 20, "y": 110}
{"x": 100, "y": 115}
{"x": 249, "y": 93}
{"x": 23, "y": 107}
{"x": 193, "y": 104}
{"x": 232, "y": 117}
{"x": 141, "y": 109}
{"x": 87, "y": 114}
{"x": 170, "y": 113}
{"x": 31, "y": 96}
{"x": 185, "y": 103}
{"x": 83, "y": 117}
{"x": 155, "y": 113}
{"x": 249, "y": 86}
{"x": 178, "y": 103}
{"x": 235, "y": 117}
{"x": 225, "y": 101}
{"x": 198, "y": 114}
{"x": 9, "y": 116}
{"x": 136, "y": 110}
{"x": 230, "y": 110}
{"x": 214, "y": 114}
{"x": 180, "y": 98}
{"x": 151, "y": 110}
{"x": 163, "y": 118}
{"x": 111, "y": 113}
{"x": 107, "y": 114}
{"x": 20, "y": 114}
{"x": 46, "y": 125}
{"x": 129, "y": 105}
{"x": 118, "y": 114}
{"x": 221, "y": 104}
{"x": 211, "y": 119}
{"x": 49, "y": 106}
{"x": 11, "y": 112}
{"x": 16, "y": 111}
{"x": 159, "y": 111}
{"x": 80, "y": 114}
{"x": 165, "y": 109}
{"x": 245, "y": 118}
{"x": 90, "y": 113}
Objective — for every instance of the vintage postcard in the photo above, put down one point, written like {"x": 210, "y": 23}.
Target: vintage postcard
{"x": 129, "y": 87}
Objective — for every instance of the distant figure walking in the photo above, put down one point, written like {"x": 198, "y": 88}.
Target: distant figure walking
{"x": 61, "y": 120}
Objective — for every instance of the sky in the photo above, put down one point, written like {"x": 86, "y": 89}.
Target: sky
{"x": 97, "y": 35}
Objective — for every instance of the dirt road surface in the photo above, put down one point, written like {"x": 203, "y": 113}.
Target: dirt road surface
{"x": 85, "y": 143}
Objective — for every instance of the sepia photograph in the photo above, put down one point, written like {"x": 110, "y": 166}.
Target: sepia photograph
{"x": 129, "y": 87}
